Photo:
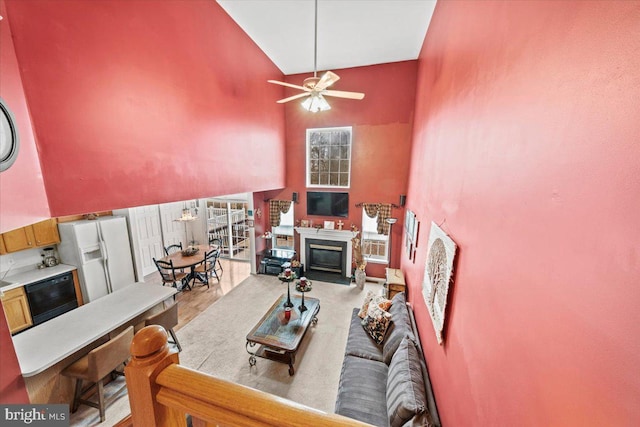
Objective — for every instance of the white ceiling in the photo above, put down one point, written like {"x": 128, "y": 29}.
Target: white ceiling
{"x": 351, "y": 33}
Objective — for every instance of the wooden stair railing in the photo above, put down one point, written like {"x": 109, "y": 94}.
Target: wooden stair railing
{"x": 162, "y": 393}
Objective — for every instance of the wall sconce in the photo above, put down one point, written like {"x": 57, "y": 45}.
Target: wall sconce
{"x": 403, "y": 199}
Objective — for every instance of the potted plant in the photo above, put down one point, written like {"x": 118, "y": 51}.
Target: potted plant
{"x": 359, "y": 261}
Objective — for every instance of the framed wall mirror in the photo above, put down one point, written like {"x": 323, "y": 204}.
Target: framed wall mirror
{"x": 9, "y": 143}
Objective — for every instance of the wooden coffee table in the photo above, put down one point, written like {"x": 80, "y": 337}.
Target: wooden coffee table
{"x": 278, "y": 338}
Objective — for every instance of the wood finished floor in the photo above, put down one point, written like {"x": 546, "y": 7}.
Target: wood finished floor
{"x": 191, "y": 303}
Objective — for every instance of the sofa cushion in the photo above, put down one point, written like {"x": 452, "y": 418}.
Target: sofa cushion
{"x": 376, "y": 323}
{"x": 361, "y": 393}
{"x": 360, "y": 343}
{"x": 400, "y": 328}
{"x": 406, "y": 396}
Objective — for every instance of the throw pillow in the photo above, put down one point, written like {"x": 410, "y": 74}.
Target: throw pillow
{"x": 376, "y": 323}
{"x": 406, "y": 395}
{"x": 365, "y": 304}
{"x": 382, "y": 302}
{"x": 372, "y": 298}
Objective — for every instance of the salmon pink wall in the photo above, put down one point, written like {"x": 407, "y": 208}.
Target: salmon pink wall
{"x": 526, "y": 151}
{"x": 142, "y": 102}
{"x": 21, "y": 185}
{"x": 381, "y": 145}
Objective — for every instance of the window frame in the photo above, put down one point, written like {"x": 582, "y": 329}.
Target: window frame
{"x": 308, "y": 159}
{"x": 380, "y": 237}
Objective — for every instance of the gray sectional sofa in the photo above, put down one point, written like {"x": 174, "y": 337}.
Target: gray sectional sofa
{"x": 387, "y": 384}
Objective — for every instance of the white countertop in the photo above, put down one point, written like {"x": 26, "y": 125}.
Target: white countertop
{"x": 44, "y": 345}
{"x": 34, "y": 275}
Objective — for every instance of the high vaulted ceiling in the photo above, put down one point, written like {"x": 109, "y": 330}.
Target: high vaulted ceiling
{"x": 351, "y": 33}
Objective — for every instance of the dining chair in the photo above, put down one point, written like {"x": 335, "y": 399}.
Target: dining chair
{"x": 217, "y": 242}
{"x": 171, "y": 275}
{"x": 209, "y": 266}
{"x": 219, "y": 265}
{"x": 168, "y": 319}
{"x": 95, "y": 367}
{"x": 171, "y": 249}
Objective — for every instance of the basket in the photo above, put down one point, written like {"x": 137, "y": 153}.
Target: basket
{"x": 190, "y": 251}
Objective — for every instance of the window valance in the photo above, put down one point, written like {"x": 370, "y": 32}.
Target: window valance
{"x": 275, "y": 208}
{"x": 383, "y": 211}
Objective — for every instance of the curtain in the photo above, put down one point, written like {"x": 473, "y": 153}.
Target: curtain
{"x": 383, "y": 210}
{"x": 275, "y": 208}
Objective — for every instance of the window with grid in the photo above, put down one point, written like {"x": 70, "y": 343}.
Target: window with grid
{"x": 329, "y": 157}
{"x": 374, "y": 245}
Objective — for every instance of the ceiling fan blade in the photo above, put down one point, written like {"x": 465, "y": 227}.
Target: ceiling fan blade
{"x": 327, "y": 80}
{"x": 343, "y": 94}
{"x": 289, "y": 85}
{"x": 291, "y": 98}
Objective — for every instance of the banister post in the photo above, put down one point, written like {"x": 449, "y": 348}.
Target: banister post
{"x": 150, "y": 354}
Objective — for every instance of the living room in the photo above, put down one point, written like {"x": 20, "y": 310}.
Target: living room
{"x": 514, "y": 131}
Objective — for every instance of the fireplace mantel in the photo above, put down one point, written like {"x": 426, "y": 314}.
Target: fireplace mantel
{"x": 325, "y": 234}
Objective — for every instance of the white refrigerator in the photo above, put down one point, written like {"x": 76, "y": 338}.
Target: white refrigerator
{"x": 100, "y": 250}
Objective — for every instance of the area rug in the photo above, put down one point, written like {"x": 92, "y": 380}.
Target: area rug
{"x": 214, "y": 343}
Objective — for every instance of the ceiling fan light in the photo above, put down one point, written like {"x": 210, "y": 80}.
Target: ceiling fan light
{"x": 323, "y": 104}
{"x": 315, "y": 103}
{"x": 306, "y": 104}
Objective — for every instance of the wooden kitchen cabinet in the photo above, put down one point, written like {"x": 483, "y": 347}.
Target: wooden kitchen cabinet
{"x": 40, "y": 234}
{"x": 19, "y": 239}
{"x": 46, "y": 232}
{"x": 16, "y": 309}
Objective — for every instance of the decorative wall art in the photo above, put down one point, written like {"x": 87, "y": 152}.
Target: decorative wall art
{"x": 408, "y": 220}
{"x": 416, "y": 228}
{"x": 438, "y": 276}
{"x": 411, "y": 227}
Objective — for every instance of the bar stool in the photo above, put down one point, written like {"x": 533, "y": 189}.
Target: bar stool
{"x": 97, "y": 365}
{"x": 168, "y": 319}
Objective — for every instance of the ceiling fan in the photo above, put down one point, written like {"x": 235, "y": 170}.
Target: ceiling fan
{"x": 315, "y": 88}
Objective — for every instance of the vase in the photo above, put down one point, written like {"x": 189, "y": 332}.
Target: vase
{"x": 361, "y": 277}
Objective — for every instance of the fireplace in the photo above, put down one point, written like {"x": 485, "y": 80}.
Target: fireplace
{"x": 326, "y": 255}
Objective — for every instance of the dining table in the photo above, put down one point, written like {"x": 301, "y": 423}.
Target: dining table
{"x": 181, "y": 261}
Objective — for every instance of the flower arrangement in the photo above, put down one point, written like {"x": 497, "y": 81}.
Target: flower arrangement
{"x": 358, "y": 259}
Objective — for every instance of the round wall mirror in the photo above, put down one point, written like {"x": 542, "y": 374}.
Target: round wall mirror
{"x": 8, "y": 138}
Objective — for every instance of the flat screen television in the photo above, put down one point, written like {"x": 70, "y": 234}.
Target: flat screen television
{"x": 326, "y": 203}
